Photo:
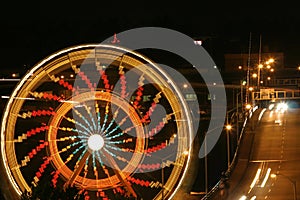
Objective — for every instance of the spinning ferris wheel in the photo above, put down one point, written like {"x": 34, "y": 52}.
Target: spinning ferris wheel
{"x": 102, "y": 119}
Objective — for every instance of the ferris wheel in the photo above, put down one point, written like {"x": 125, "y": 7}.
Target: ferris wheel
{"x": 100, "y": 119}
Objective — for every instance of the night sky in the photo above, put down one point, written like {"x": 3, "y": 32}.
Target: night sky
{"x": 31, "y": 32}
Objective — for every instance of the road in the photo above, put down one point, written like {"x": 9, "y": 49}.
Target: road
{"x": 273, "y": 168}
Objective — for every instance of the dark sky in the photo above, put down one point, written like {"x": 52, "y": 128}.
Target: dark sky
{"x": 31, "y": 32}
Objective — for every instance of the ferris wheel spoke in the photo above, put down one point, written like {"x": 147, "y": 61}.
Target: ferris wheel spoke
{"x": 77, "y": 169}
{"x": 119, "y": 174}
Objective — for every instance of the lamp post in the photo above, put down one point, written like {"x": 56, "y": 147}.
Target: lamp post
{"x": 290, "y": 180}
{"x": 228, "y": 129}
{"x": 260, "y": 66}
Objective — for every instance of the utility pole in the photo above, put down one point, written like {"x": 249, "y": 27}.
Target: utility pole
{"x": 259, "y": 65}
{"x": 248, "y": 70}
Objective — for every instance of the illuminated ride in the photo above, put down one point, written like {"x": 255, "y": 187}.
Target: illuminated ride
{"x": 99, "y": 118}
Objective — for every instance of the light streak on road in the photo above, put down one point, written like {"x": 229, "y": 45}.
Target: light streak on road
{"x": 255, "y": 179}
{"x": 243, "y": 197}
{"x": 266, "y": 178}
{"x": 261, "y": 114}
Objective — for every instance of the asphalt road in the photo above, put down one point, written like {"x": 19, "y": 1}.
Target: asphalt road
{"x": 272, "y": 169}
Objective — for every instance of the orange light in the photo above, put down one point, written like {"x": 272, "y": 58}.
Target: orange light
{"x": 248, "y": 106}
{"x": 228, "y": 127}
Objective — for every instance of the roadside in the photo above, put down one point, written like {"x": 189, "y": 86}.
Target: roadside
{"x": 232, "y": 178}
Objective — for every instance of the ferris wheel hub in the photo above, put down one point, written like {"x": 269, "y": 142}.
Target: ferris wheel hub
{"x": 95, "y": 142}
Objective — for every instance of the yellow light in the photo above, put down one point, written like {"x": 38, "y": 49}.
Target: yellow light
{"x": 240, "y": 67}
{"x": 271, "y": 60}
{"x": 268, "y": 66}
{"x": 248, "y": 106}
{"x": 228, "y": 127}
{"x": 272, "y": 70}
{"x": 260, "y": 66}
{"x": 273, "y": 175}
{"x": 250, "y": 88}
{"x": 254, "y": 75}
{"x": 269, "y": 78}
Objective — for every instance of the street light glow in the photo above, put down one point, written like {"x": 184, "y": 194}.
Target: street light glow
{"x": 228, "y": 127}
{"x": 273, "y": 175}
{"x": 248, "y": 106}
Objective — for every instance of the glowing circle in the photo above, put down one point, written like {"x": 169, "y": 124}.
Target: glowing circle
{"x": 117, "y": 158}
{"x": 95, "y": 142}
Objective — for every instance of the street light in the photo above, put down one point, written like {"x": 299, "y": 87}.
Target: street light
{"x": 290, "y": 180}
{"x": 248, "y": 106}
{"x": 260, "y": 67}
{"x": 228, "y": 128}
